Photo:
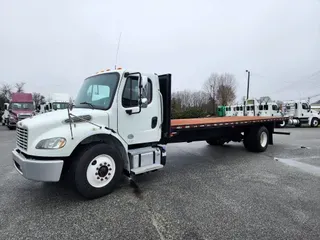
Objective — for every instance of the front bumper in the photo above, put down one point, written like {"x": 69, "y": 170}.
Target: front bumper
{"x": 38, "y": 170}
{"x": 12, "y": 123}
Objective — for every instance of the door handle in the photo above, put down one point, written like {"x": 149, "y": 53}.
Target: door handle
{"x": 154, "y": 122}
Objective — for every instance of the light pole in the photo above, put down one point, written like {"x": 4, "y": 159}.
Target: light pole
{"x": 213, "y": 100}
{"x": 245, "y": 102}
{"x": 248, "y": 83}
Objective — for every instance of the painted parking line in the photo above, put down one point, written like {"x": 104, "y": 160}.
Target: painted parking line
{"x": 302, "y": 166}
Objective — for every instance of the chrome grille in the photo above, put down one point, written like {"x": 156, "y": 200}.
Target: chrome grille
{"x": 22, "y": 138}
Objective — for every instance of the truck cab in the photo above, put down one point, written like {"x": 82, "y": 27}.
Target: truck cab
{"x": 238, "y": 110}
{"x": 229, "y": 111}
{"x": 251, "y": 107}
{"x": 300, "y": 112}
{"x": 269, "y": 109}
{"x": 21, "y": 106}
{"x": 121, "y": 114}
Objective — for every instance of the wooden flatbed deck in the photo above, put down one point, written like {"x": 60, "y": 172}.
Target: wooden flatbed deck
{"x": 220, "y": 121}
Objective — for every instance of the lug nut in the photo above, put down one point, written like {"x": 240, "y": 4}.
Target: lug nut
{"x": 105, "y": 163}
{"x": 109, "y": 174}
{"x": 96, "y": 173}
{"x": 110, "y": 169}
{"x": 101, "y": 179}
{"x": 106, "y": 178}
{"x": 100, "y": 164}
{"x": 98, "y": 178}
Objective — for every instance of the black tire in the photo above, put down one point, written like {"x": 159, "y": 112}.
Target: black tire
{"x": 314, "y": 122}
{"x": 81, "y": 161}
{"x": 215, "y": 142}
{"x": 252, "y": 139}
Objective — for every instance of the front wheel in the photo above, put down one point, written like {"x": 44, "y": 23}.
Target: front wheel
{"x": 315, "y": 122}
{"x": 96, "y": 170}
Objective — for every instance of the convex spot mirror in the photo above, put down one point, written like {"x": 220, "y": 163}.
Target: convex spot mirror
{"x": 144, "y": 91}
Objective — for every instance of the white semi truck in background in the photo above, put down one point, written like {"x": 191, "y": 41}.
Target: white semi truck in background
{"x": 299, "y": 112}
{"x": 120, "y": 124}
{"x": 58, "y": 101}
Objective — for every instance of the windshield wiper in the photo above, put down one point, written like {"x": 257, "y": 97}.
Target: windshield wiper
{"x": 88, "y": 104}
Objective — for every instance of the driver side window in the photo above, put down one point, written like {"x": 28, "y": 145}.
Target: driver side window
{"x": 130, "y": 96}
{"x": 304, "y": 106}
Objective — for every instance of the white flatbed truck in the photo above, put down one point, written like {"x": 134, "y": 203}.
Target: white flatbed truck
{"x": 120, "y": 124}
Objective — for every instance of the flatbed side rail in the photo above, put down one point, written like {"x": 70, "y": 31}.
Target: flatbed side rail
{"x": 225, "y": 124}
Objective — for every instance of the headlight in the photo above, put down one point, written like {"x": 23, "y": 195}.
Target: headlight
{"x": 52, "y": 143}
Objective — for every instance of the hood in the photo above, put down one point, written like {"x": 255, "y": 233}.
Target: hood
{"x": 55, "y": 119}
{"x": 26, "y": 112}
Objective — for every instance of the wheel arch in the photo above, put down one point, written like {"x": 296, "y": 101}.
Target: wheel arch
{"x": 105, "y": 138}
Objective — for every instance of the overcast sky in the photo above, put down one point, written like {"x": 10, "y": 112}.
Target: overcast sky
{"x": 54, "y": 45}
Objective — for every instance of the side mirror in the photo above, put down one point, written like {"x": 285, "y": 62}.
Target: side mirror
{"x": 144, "y": 92}
{"x": 144, "y": 82}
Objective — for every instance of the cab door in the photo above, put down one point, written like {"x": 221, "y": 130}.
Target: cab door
{"x": 138, "y": 124}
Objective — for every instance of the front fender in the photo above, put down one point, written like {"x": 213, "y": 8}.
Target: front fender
{"x": 80, "y": 132}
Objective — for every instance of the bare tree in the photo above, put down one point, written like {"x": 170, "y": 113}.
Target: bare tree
{"x": 19, "y": 87}
{"x": 5, "y": 92}
{"x": 265, "y": 99}
{"x": 210, "y": 86}
{"x": 226, "y": 89}
{"x": 221, "y": 88}
{"x": 38, "y": 98}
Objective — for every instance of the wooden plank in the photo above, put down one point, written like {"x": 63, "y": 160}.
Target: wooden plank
{"x": 222, "y": 120}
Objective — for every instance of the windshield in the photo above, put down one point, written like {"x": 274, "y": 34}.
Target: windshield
{"x": 21, "y": 106}
{"x": 57, "y": 105}
{"x": 98, "y": 90}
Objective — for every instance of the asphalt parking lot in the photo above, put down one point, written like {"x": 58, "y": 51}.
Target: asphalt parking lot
{"x": 204, "y": 192}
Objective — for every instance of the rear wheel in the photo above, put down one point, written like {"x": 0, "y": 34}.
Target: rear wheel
{"x": 257, "y": 139}
{"x": 96, "y": 170}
